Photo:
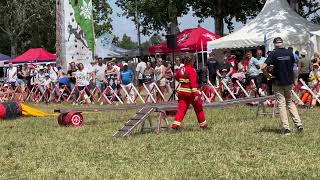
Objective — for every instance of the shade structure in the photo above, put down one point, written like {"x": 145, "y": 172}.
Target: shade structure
{"x": 189, "y": 40}
{"x": 4, "y": 57}
{"x": 34, "y": 55}
{"x": 277, "y": 19}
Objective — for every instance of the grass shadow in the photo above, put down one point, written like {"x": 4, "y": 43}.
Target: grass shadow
{"x": 269, "y": 130}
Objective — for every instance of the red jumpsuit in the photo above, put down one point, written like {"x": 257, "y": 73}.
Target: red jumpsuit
{"x": 187, "y": 92}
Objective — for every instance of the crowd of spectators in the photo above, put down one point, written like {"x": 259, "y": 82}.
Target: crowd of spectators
{"x": 101, "y": 73}
{"x": 245, "y": 69}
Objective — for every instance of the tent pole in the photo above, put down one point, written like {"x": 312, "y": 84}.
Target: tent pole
{"x": 202, "y": 54}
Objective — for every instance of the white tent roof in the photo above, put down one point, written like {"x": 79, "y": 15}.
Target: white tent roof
{"x": 277, "y": 19}
{"x": 317, "y": 33}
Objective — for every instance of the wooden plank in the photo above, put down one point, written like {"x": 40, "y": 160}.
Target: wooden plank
{"x": 126, "y": 128}
{"x": 132, "y": 122}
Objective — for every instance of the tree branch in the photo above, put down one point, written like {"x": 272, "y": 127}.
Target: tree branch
{"x": 311, "y": 12}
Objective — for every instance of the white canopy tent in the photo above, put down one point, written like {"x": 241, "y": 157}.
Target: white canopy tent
{"x": 315, "y": 39}
{"x": 277, "y": 19}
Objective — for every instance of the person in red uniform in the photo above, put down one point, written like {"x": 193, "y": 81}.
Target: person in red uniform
{"x": 188, "y": 93}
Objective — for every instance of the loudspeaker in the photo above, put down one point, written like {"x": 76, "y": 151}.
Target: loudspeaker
{"x": 172, "y": 41}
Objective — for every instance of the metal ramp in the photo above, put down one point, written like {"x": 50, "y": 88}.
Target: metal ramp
{"x": 134, "y": 122}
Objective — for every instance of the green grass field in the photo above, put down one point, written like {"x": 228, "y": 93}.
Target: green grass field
{"x": 236, "y": 146}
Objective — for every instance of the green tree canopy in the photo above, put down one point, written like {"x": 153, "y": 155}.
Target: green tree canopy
{"x": 127, "y": 43}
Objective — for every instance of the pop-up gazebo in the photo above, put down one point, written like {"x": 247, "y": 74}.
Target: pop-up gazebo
{"x": 189, "y": 40}
{"x": 34, "y": 56}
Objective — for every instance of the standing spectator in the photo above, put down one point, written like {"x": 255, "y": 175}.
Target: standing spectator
{"x": 82, "y": 82}
{"x": 141, "y": 66}
{"x": 99, "y": 71}
{"x": 149, "y": 77}
{"x": 20, "y": 83}
{"x": 304, "y": 67}
{"x": 33, "y": 74}
{"x": 12, "y": 75}
{"x": 283, "y": 62}
{"x": 254, "y": 73}
{"x": 212, "y": 67}
{"x": 168, "y": 74}
{"x": 126, "y": 80}
{"x": 25, "y": 74}
{"x": 160, "y": 72}
{"x": 296, "y": 63}
{"x": 232, "y": 60}
{"x": 112, "y": 77}
{"x": 178, "y": 64}
{"x": 52, "y": 71}
{"x": 71, "y": 71}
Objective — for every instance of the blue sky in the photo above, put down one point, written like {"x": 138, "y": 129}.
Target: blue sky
{"x": 122, "y": 25}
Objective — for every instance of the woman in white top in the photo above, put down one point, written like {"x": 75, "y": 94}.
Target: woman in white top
{"x": 160, "y": 72}
{"x": 82, "y": 81}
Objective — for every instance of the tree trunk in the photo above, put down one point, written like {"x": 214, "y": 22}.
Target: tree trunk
{"x": 219, "y": 26}
{"x": 172, "y": 12}
{"x": 14, "y": 46}
{"x": 294, "y": 4}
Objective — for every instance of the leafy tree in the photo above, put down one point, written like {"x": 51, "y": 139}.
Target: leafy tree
{"x": 226, "y": 10}
{"x": 17, "y": 15}
{"x": 155, "y": 39}
{"x": 101, "y": 15}
{"x": 127, "y": 43}
{"x": 155, "y": 15}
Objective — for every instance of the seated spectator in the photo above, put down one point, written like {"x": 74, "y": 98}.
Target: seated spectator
{"x": 314, "y": 77}
{"x": 225, "y": 69}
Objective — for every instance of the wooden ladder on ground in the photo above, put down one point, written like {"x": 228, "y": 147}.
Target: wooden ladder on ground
{"x": 139, "y": 118}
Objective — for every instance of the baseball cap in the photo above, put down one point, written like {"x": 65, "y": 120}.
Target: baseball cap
{"x": 224, "y": 70}
{"x": 125, "y": 64}
{"x": 277, "y": 40}
{"x": 304, "y": 52}
{"x": 304, "y": 88}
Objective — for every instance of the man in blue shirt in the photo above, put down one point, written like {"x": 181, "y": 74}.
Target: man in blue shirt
{"x": 254, "y": 73}
{"x": 296, "y": 62}
{"x": 283, "y": 61}
{"x": 126, "y": 76}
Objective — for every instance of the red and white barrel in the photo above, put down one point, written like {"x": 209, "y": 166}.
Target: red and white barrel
{"x": 10, "y": 110}
{"x": 73, "y": 119}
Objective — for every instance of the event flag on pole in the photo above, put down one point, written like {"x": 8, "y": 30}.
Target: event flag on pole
{"x": 75, "y": 32}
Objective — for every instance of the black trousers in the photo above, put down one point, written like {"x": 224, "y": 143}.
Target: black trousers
{"x": 213, "y": 79}
{"x": 304, "y": 77}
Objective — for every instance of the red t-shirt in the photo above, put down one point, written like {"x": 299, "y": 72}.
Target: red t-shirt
{"x": 246, "y": 64}
{"x": 233, "y": 64}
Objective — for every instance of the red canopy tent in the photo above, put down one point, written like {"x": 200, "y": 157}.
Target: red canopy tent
{"x": 34, "y": 55}
{"x": 189, "y": 40}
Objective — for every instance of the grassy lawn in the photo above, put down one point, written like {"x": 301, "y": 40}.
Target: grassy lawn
{"x": 236, "y": 146}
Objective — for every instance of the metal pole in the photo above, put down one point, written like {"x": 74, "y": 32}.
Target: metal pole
{"x": 138, "y": 29}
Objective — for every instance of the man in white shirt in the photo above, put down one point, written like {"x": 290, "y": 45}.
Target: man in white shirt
{"x": 141, "y": 67}
{"x": 12, "y": 75}
{"x": 100, "y": 74}
{"x": 52, "y": 71}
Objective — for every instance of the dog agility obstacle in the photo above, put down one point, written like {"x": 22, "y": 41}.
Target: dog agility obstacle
{"x": 143, "y": 114}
